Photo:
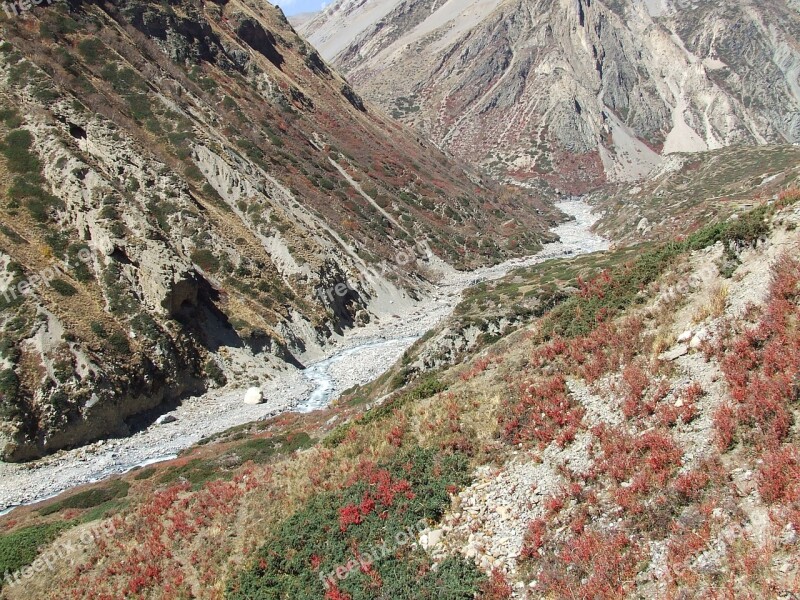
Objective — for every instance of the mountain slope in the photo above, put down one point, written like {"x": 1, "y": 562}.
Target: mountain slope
{"x": 573, "y": 91}
{"x": 634, "y": 438}
{"x": 184, "y": 187}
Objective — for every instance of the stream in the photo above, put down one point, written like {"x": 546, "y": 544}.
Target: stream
{"x": 362, "y": 356}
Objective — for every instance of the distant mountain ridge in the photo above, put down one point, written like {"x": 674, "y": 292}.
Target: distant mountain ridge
{"x": 575, "y": 91}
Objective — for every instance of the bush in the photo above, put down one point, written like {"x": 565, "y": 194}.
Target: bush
{"x": 379, "y": 503}
{"x": 99, "y": 330}
{"x": 16, "y": 149}
{"x": 20, "y": 548}
{"x": 63, "y": 288}
{"x": 92, "y": 50}
{"x": 779, "y": 476}
{"x": 90, "y": 498}
{"x": 214, "y": 373}
{"x": 9, "y": 394}
{"x": 119, "y": 342}
{"x": 206, "y": 260}
{"x": 38, "y": 202}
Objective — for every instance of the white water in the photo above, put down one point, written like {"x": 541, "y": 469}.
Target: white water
{"x": 366, "y": 355}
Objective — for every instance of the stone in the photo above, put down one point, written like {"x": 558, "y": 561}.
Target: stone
{"x": 434, "y": 537}
{"x": 166, "y": 420}
{"x": 675, "y": 353}
{"x": 698, "y": 339}
{"x": 253, "y": 397}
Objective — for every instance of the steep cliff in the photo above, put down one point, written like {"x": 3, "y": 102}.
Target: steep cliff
{"x": 184, "y": 185}
{"x": 575, "y": 91}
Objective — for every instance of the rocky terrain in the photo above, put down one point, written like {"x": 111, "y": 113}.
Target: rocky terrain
{"x": 184, "y": 188}
{"x": 470, "y": 390}
{"x": 574, "y": 92}
{"x": 690, "y": 190}
{"x": 354, "y": 359}
{"x": 634, "y": 435}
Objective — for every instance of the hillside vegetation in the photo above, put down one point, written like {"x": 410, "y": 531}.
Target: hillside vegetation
{"x": 635, "y": 436}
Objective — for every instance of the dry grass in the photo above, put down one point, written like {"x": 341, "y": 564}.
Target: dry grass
{"x": 714, "y": 305}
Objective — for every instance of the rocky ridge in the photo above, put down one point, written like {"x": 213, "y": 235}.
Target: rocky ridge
{"x": 575, "y": 92}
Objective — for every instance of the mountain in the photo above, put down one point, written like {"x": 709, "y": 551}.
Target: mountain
{"x": 301, "y": 18}
{"x": 632, "y": 435}
{"x": 183, "y": 185}
{"x": 577, "y": 92}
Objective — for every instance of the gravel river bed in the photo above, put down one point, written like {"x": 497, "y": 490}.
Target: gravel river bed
{"x": 357, "y": 358}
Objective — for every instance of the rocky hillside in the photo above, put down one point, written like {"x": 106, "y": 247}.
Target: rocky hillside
{"x": 574, "y": 91}
{"x": 635, "y": 437}
{"x": 184, "y": 187}
{"x": 690, "y": 190}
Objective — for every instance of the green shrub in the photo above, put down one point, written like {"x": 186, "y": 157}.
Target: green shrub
{"x": 38, "y": 202}
{"x": 80, "y": 269}
{"x": 260, "y": 450}
{"x": 20, "y": 548}
{"x": 428, "y": 387}
{"x": 98, "y": 329}
{"x": 337, "y": 436}
{"x": 16, "y": 148}
{"x": 63, "y": 288}
{"x": 214, "y": 373}
{"x": 119, "y": 342}
{"x": 92, "y": 50}
{"x": 206, "y": 260}
{"x": 90, "y": 498}
{"x": 10, "y": 117}
{"x": 285, "y": 566}
{"x": 9, "y": 392}
{"x": 145, "y": 474}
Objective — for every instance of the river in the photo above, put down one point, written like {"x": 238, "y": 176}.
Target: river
{"x": 361, "y": 357}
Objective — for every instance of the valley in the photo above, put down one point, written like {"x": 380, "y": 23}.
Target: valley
{"x": 516, "y": 284}
{"x": 358, "y": 358}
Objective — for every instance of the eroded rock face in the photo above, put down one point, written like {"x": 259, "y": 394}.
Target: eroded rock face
{"x": 255, "y": 36}
{"x": 573, "y": 91}
{"x": 219, "y": 178}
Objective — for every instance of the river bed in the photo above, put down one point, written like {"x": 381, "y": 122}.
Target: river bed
{"x": 360, "y": 357}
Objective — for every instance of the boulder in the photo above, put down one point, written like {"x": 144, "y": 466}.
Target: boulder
{"x": 254, "y": 397}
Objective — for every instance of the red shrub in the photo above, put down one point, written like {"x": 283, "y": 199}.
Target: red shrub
{"x": 496, "y": 588}
{"x": 395, "y": 437}
{"x": 592, "y": 565}
{"x": 762, "y": 367}
{"x": 349, "y": 515}
{"x": 544, "y": 413}
{"x": 334, "y": 593}
{"x": 725, "y": 425}
{"x": 779, "y": 476}
{"x": 691, "y": 485}
{"x": 478, "y": 367}
{"x": 534, "y": 538}
{"x": 636, "y": 381}
{"x": 645, "y": 463}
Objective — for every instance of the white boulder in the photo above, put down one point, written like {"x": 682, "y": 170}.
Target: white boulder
{"x": 254, "y": 397}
